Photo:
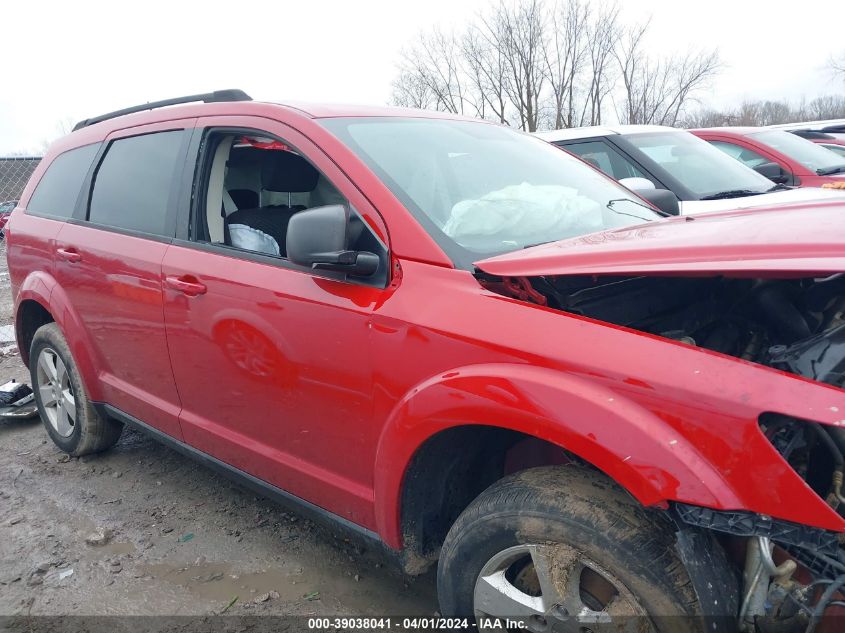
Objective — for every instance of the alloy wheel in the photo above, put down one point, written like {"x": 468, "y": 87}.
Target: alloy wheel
{"x": 56, "y": 392}
{"x": 554, "y": 588}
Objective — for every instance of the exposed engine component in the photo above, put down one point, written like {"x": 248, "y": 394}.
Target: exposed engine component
{"x": 760, "y": 570}
{"x": 797, "y": 325}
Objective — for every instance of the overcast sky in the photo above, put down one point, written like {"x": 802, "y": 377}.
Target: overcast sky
{"x": 66, "y": 61}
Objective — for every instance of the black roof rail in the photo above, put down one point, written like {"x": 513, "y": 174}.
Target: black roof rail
{"x": 812, "y": 134}
{"x": 209, "y": 97}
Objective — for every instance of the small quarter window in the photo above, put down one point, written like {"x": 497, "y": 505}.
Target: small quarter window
{"x": 133, "y": 184}
{"x": 57, "y": 191}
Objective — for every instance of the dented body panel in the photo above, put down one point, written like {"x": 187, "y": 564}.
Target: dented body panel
{"x": 728, "y": 243}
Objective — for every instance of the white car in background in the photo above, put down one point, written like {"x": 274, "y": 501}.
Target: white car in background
{"x": 654, "y": 159}
{"x": 829, "y": 134}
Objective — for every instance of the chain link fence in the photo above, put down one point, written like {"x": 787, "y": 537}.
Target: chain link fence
{"x": 14, "y": 173}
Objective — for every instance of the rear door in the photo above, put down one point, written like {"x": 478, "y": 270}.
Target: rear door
{"x": 38, "y": 220}
{"x": 109, "y": 263}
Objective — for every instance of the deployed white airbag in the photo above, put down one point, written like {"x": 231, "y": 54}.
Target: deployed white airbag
{"x": 251, "y": 239}
{"x": 524, "y": 211}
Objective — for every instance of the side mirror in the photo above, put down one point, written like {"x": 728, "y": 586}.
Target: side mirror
{"x": 663, "y": 199}
{"x": 772, "y": 171}
{"x": 317, "y": 238}
{"x": 637, "y": 184}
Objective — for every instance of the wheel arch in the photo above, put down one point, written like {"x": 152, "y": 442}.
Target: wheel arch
{"x": 578, "y": 417}
{"x": 42, "y": 300}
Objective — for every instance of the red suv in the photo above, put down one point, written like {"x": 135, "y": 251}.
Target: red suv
{"x": 779, "y": 155}
{"x": 453, "y": 338}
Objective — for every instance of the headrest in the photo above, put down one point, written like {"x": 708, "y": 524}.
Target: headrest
{"x": 286, "y": 172}
{"x": 244, "y": 198}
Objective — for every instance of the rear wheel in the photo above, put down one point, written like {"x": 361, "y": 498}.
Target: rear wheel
{"x": 562, "y": 549}
{"x": 71, "y": 421}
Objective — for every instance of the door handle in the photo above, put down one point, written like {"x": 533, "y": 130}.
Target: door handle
{"x": 69, "y": 254}
{"x": 186, "y": 284}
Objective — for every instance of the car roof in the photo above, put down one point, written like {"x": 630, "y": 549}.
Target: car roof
{"x": 330, "y": 110}
{"x": 567, "y": 134}
{"x": 809, "y": 125}
{"x": 741, "y": 130}
{"x": 97, "y": 131}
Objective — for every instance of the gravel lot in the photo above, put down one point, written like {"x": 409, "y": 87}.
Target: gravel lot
{"x": 180, "y": 540}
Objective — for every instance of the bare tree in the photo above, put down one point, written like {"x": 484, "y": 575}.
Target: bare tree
{"x": 430, "y": 71}
{"x": 564, "y": 58}
{"x": 639, "y": 79}
{"x": 602, "y": 35}
{"x": 488, "y": 71}
{"x": 770, "y": 113}
{"x": 827, "y": 107}
{"x": 412, "y": 91}
{"x": 532, "y": 64}
{"x": 837, "y": 65}
{"x": 657, "y": 90}
{"x": 518, "y": 31}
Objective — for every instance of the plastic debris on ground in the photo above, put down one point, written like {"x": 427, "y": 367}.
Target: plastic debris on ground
{"x": 7, "y": 333}
{"x": 17, "y": 401}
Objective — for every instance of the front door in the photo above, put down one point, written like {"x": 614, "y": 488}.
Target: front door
{"x": 272, "y": 362}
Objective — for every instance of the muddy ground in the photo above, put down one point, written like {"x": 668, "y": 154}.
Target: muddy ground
{"x": 184, "y": 540}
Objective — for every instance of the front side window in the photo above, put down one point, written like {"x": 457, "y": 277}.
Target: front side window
{"x": 253, "y": 186}
{"x": 698, "y": 166}
{"x": 483, "y": 189}
{"x": 600, "y": 154}
{"x": 57, "y": 191}
{"x": 812, "y": 156}
{"x": 133, "y": 184}
{"x": 742, "y": 154}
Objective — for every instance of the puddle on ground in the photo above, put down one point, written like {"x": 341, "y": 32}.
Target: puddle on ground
{"x": 220, "y": 582}
{"x": 216, "y": 581}
{"x": 117, "y": 548}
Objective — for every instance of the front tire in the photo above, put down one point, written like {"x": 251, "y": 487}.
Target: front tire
{"x": 68, "y": 415}
{"x": 562, "y": 548}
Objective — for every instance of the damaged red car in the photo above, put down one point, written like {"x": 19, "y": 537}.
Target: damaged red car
{"x": 453, "y": 339}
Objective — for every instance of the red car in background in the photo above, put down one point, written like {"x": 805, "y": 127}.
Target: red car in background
{"x": 781, "y": 156}
{"x": 5, "y": 212}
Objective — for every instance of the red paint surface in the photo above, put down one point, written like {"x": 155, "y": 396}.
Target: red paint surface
{"x": 729, "y": 242}
{"x": 327, "y": 389}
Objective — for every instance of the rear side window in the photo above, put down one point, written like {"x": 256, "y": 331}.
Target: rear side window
{"x": 56, "y": 192}
{"x": 133, "y": 184}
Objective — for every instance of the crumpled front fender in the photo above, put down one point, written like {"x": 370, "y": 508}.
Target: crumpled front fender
{"x": 629, "y": 443}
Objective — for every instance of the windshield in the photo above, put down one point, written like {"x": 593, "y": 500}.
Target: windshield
{"x": 836, "y": 149}
{"x": 483, "y": 189}
{"x": 809, "y": 154}
{"x": 697, "y": 165}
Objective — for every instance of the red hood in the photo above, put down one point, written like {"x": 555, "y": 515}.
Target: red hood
{"x": 807, "y": 240}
